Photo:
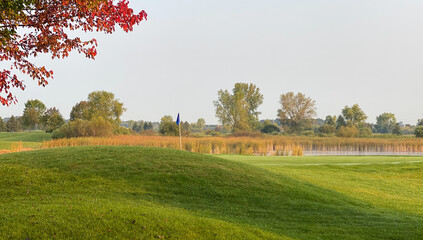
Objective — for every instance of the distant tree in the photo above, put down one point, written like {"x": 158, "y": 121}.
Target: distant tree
{"x": 52, "y": 120}
{"x": 397, "y": 129}
{"x": 330, "y": 120}
{"x": 340, "y": 122}
{"x": 329, "y": 126}
{"x": 238, "y": 110}
{"x": 14, "y": 124}
{"x": 185, "y": 128}
{"x": 103, "y": 104}
{"x": 420, "y": 122}
{"x": 270, "y": 129}
{"x": 168, "y": 127}
{"x": 419, "y": 132}
{"x": 199, "y": 125}
{"x": 148, "y": 126}
{"x": 354, "y": 115}
{"x": 34, "y": 110}
{"x": 137, "y": 126}
{"x": 348, "y": 132}
{"x": 129, "y": 124}
{"x": 327, "y": 129}
{"x": 80, "y": 111}
{"x": 99, "y": 104}
{"x": 296, "y": 111}
{"x": 96, "y": 127}
{"x": 385, "y": 123}
{"x": 3, "y": 127}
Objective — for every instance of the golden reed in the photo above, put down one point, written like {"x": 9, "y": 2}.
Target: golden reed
{"x": 269, "y": 145}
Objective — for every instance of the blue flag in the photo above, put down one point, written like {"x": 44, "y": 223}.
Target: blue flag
{"x": 178, "y": 120}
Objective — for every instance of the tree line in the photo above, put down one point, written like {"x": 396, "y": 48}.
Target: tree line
{"x": 237, "y": 112}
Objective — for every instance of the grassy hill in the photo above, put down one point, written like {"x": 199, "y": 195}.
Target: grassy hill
{"x": 148, "y": 193}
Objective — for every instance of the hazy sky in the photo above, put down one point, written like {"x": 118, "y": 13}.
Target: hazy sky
{"x": 336, "y": 52}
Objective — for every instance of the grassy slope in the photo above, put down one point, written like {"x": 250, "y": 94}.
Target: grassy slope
{"x": 28, "y": 139}
{"x": 144, "y": 193}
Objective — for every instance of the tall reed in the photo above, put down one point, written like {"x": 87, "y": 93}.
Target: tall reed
{"x": 269, "y": 145}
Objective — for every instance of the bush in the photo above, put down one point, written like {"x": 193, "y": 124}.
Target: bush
{"x": 419, "y": 132}
{"x": 122, "y": 131}
{"x": 327, "y": 129}
{"x": 348, "y": 132}
{"x": 97, "y": 127}
{"x": 58, "y": 133}
{"x": 270, "y": 129}
{"x": 308, "y": 133}
{"x": 213, "y": 133}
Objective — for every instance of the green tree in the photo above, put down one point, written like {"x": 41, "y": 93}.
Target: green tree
{"x": 52, "y": 120}
{"x": 34, "y": 110}
{"x": 148, "y": 126}
{"x": 348, "y": 132}
{"x": 185, "y": 128}
{"x": 385, "y": 123}
{"x": 168, "y": 127}
{"x": 270, "y": 129}
{"x": 14, "y": 124}
{"x": 138, "y": 126}
{"x": 296, "y": 111}
{"x": 354, "y": 115}
{"x": 99, "y": 104}
{"x": 340, "y": 122}
{"x": 80, "y": 111}
{"x": 397, "y": 129}
{"x": 419, "y": 132}
{"x": 199, "y": 125}
{"x": 103, "y": 104}
{"x": 239, "y": 111}
{"x": 3, "y": 127}
{"x": 330, "y": 120}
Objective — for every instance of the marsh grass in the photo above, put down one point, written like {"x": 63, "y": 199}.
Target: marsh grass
{"x": 268, "y": 145}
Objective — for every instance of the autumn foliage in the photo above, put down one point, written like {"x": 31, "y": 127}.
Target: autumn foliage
{"x": 32, "y": 27}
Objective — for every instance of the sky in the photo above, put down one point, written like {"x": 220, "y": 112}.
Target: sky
{"x": 338, "y": 53}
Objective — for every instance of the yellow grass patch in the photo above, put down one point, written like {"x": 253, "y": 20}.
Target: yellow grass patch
{"x": 271, "y": 145}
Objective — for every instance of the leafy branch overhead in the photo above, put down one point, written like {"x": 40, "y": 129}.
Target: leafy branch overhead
{"x": 32, "y": 27}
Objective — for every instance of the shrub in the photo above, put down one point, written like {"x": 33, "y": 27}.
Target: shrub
{"x": 122, "y": 131}
{"x": 270, "y": 129}
{"x": 308, "y": 133}
{"x": 419, "y": 132}
{"x": 58, "y": 133}
{"x": 97, "y": 127}
{"x": 348, "y": 132}
{"x": 327, "y": 129}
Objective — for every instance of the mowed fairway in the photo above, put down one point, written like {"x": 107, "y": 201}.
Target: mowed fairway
{"x": 125, "y": 192}
{"x": 28, "y": 139}
{"x": 387, "y": 183}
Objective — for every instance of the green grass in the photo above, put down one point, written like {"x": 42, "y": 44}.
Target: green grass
{"x": 28, "y": 139}
{"x": 148, "y": 193}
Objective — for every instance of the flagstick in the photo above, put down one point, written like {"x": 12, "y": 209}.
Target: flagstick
{"x": 180, "y": 136}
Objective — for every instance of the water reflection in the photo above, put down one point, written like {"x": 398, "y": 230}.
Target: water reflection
{"x": 359, "y": 153}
